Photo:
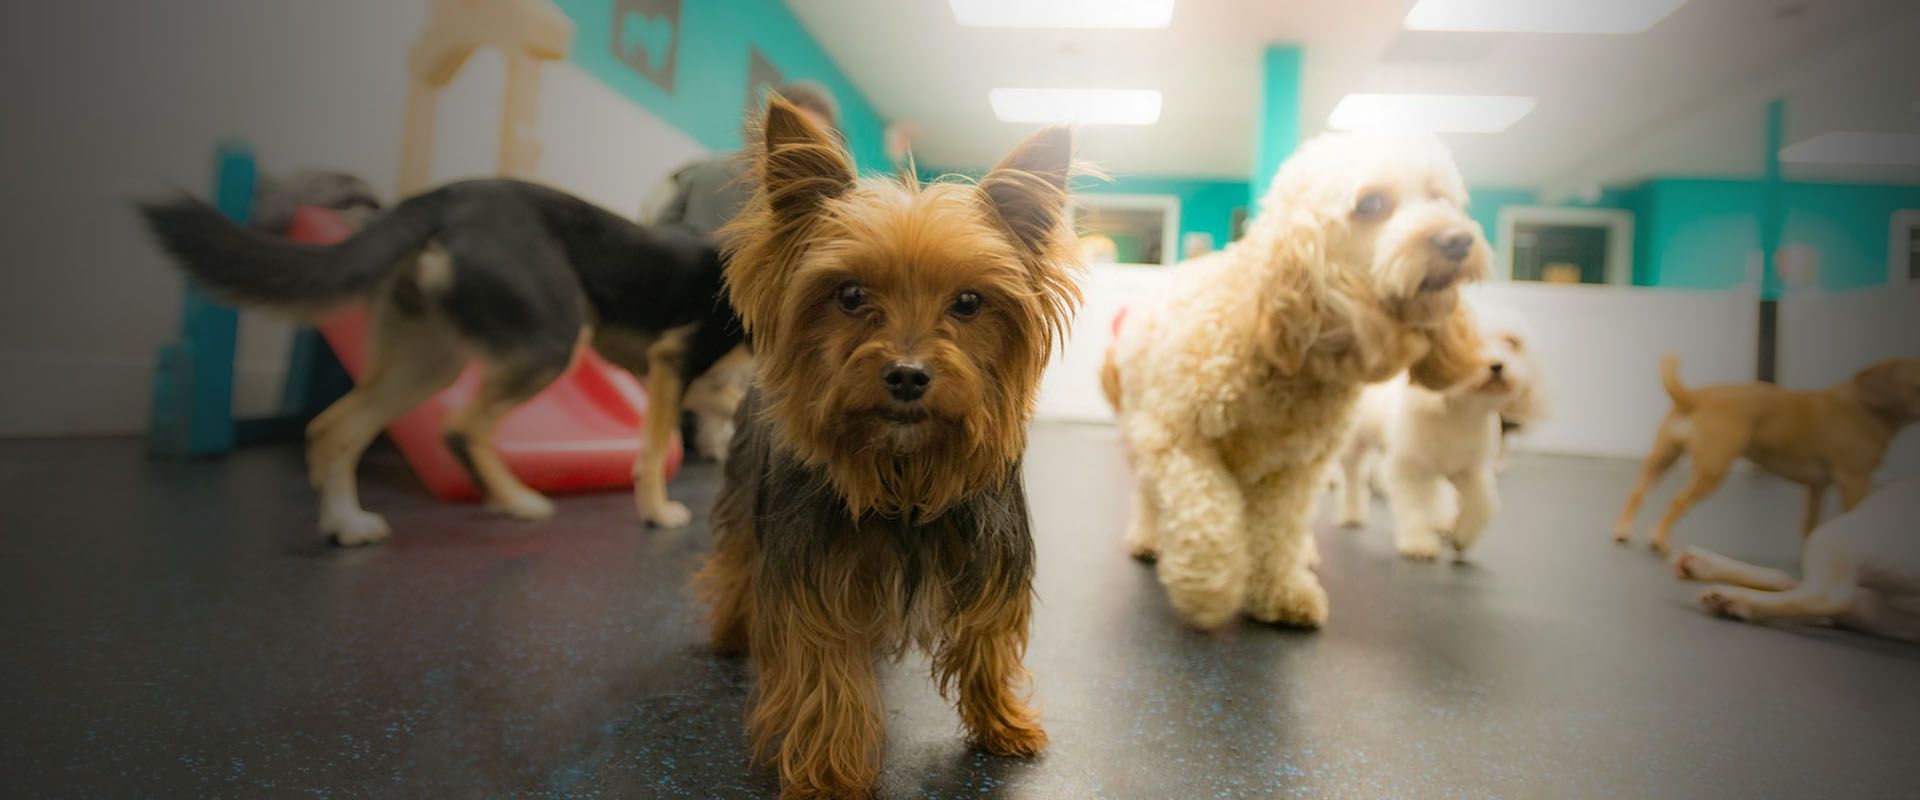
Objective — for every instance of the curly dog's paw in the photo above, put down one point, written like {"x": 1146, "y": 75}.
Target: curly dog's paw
{"x": 1302, "y": 603}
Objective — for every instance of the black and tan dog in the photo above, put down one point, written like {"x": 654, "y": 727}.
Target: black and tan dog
{"x": 873, "y": 499}
{"x": 509, "y": 272}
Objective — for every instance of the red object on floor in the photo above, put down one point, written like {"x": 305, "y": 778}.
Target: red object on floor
{"x": 1118, "y": 317}
{"x": 581, "y": 434}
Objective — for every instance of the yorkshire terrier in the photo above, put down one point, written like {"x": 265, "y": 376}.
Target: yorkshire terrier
{"x": 872, "y": 499}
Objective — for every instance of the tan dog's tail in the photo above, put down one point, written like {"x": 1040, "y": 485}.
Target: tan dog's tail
{"x": 1670, "y": 378}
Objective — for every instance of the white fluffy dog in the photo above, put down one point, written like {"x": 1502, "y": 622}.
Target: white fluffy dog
{"x": 1860, "y": 570}
{"x": 1233, "y": 389}
{"x": 1429, "y": 440}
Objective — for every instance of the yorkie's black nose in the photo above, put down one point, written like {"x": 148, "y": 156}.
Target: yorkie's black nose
{"x": 1454, "y": 244}
{"x": 906, "y": 380}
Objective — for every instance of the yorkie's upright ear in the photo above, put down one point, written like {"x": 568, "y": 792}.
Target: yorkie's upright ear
{"x": 1028, "y": 188}
{"x": 801, "y": 166}
{"x": 1028, "y": 191}
{"x": 797, "y": 168}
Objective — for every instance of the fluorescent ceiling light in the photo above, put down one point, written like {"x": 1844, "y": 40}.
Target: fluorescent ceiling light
{"x": 1539, "y": 16}
{"x": 1431, "y": 113}
{"x": 1852, "y": 147}
{"x": 1085, "y": 106}
{"x": 1063, "y": 13}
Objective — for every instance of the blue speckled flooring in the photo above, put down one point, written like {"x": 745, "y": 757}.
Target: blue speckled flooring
{"x": 174, "y": 629}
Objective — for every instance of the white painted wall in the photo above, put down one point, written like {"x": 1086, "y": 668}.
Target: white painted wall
{"x": 1601, "y": 346}
{"x": 1826, "y": 337}
{"x": 104, "y": 105}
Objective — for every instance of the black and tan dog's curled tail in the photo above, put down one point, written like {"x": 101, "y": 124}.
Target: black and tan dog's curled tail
{"x": 254, "y": 267}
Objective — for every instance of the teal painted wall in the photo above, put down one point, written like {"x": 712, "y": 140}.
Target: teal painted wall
{"x": 710, "y": 81}
{"x": 1699, "y": 233}
{"x": 1206, "y": 206}
{"x": 1277, "y": 131}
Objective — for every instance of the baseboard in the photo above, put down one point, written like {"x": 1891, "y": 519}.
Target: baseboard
{"x": 84, "y": 395}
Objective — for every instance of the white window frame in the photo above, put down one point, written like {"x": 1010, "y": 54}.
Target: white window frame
{"x": 1617, "y": 221}
{"x": 1898, "y": 240}
{"x": 1168, "y": 205}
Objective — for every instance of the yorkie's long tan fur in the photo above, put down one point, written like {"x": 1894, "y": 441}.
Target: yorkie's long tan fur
{"x": 873, "y": 498}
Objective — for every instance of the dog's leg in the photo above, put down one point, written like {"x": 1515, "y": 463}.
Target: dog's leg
{"x": 1810, "y": 519}
{"x": 664, "y": 387}
{"x": 1829, "y": 582}
{"x": 727, "y": 583}
{"x": 982, "y": 660}
{"x": 1665, "y": 452}
{"x": 1203, "y": 551}
{"x": 1283, "y": 589}
{"x": 1143, "y": 531}
{"x": 1706, "y": 566}
{"x": 1355, "y": 486}
{"x": 411, "y": 357}
{"x": 1479, "y": 502}
{"x": 1710, "y": 467}
{"x": 815, "y": 692}
{"x": 510, "y": 380}
{"x": 1414, "y": 497}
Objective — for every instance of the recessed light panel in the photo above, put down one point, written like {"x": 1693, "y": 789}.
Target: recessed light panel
{"x": 1540, "y": 16}
{"x": 1063, "y": 13}
{"x": 1431, "y": 113}
{"x": 1084, "y": 106}
{"x": 1853, "y": 147}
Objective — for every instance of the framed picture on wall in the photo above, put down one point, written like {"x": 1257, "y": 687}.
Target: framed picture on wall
{"x": 1903, "y": 248}
{"x": 1565, "y": 245}
{"x": 646, "y": 37}
{"x": 1128, "y": 228}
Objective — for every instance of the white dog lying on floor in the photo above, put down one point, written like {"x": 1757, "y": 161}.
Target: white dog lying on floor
{"x": 1860, "y": 570}
{"x": 1427, "y": 441}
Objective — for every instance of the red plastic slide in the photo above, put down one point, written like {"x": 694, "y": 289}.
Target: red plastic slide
{"x": 581, "y": 434}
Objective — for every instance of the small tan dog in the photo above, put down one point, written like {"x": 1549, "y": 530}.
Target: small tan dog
{"x": 1428, "y": 440}
{"x": 1235, "y": 388}
{"x": 1833, "y": 437}
{"x": 1860, "y": 571}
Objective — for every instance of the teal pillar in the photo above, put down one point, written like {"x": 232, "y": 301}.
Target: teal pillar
{"x": 1277, "y": 131}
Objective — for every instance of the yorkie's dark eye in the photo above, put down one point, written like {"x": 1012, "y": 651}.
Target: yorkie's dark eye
{"x": 966, "y": 305}
{"x": 850, "y": 296}
{"x": 1373, "y": 205}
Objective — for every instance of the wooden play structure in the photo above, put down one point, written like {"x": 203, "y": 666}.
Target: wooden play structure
{"x": 526, "y": 32}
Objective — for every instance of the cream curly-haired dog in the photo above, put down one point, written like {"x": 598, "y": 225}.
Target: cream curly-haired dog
{"x": 1438, "y": 450}
{"x": 1234, "y": 389}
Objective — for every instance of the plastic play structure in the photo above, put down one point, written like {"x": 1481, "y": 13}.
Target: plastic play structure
{"x": 580, "y": 434}
{"x": 526, "y": 32}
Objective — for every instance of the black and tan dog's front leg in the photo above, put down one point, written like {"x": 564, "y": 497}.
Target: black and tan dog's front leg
{"x": 982, "y": 660}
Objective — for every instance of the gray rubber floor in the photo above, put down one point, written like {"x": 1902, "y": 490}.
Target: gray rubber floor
{"x": 175, "y": 629}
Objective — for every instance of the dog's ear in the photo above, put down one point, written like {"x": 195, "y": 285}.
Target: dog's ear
{"x": 1028, "y": 188}
{"x": 1453, "y": 352}
{"x": 1293, "y": 305}
{"x": 800, "y": 166}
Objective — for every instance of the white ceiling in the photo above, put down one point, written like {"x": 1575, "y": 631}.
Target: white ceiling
{"x": 1685, "y": 97}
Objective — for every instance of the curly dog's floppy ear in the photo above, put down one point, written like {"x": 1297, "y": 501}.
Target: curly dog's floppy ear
{"x": 1295, "y": 307}
{"x": 1453, "y": 352}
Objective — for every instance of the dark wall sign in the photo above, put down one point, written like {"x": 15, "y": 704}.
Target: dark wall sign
{"x": 646, "y": 35}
